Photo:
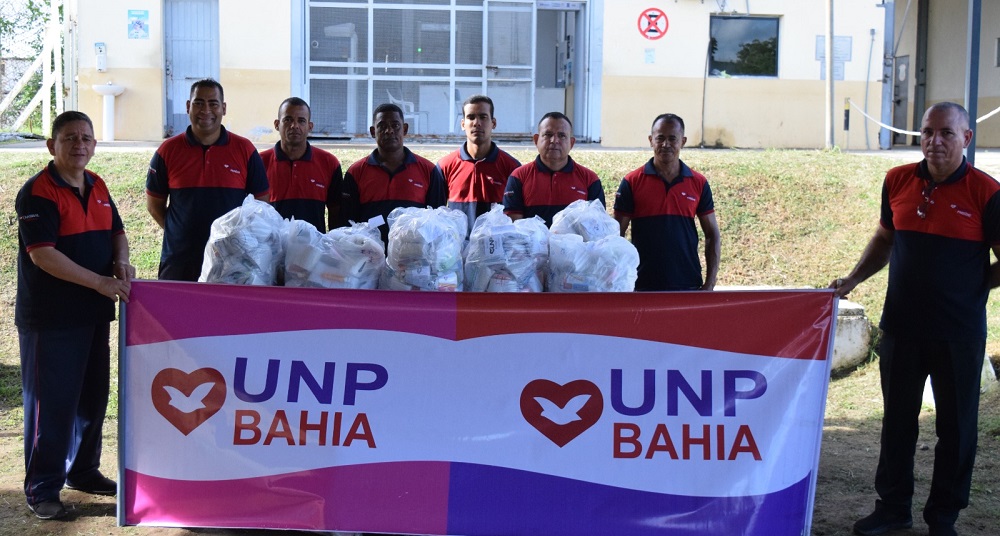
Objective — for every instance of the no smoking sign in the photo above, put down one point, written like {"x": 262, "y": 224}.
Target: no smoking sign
{"x": 653, "y": 23}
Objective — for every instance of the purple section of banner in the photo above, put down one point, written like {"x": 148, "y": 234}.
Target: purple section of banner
{"x": 500, "y": 502}
{"x": 167, "y": 310}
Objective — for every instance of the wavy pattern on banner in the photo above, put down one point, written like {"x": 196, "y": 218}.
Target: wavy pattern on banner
{"x": 454, "y": 498}
{"x": 171, "y": 310}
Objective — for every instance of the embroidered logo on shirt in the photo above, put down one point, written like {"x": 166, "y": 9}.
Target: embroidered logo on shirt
{"x": 961, "y": 212}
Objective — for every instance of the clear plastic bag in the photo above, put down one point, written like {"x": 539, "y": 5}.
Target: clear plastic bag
{"x": 245, "y": 245}
{"x": 588, "y": 219}
{"x": 346, "y": 257}
{"x": 425, "y": 249}
{"x": 505, "y": 255}
{"x": 609, "y": 264}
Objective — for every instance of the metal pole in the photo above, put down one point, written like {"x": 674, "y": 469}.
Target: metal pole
{"x": 972, "y": 73}
{"x": 888, "y": 61}
{"x": 829, "y": 75}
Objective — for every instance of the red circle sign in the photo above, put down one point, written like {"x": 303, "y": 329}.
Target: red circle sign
{"x": 653, "y": 23}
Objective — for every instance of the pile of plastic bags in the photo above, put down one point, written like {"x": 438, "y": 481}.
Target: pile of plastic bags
{"x": 253, "y": 245}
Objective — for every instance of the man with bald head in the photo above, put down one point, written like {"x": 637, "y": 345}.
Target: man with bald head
{"x": 940, "y": 219}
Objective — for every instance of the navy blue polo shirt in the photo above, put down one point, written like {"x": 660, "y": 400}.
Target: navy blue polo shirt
{"x": 201, "y": 183}
{"x": 303, "y": 189}
{"x": 535, "y": 190}
{"x": 475, "y": 185}
{"x": 371, "y": 189}
{"x": 663, "y": 225}
{"x": 939, "y": 264}
{"x": 52, "y": 213}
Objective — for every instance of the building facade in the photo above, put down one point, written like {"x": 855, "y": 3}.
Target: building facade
{"x": 742, "y": 74}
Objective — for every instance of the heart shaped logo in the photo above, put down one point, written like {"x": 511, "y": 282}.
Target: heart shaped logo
{"x": 561, "y": 412}
{"x": 188, "y": 399}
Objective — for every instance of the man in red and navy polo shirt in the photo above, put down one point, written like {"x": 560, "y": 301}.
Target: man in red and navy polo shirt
{"x": 476, "y": 174}
{"x": 197, "y": 176}
{"x": 392, "y": 176}
{"x": 661, "y": 200}
{"x": 72, "y": 264}
{"x": 553, "y": 181}
{"x": 305, "y": 180}
{"x": 940, "y": 219}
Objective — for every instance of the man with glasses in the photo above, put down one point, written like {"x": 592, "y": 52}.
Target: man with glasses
{"x": 553, "y": 181}
{"x": 940, "y": 219}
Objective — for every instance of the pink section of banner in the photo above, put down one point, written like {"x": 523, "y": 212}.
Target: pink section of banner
{"x": 389, "y": 497}
{"x": 160, "y": 311}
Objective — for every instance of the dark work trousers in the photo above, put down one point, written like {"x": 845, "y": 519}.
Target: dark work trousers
{"x": 954, "y": 368}
{"x": 65, "y": 375}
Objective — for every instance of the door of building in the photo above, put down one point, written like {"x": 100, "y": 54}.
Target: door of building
{"x": 191, "y": 53}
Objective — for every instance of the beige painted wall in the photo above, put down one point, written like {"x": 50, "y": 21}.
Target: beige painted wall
{"x": 667, "y": 74}
{"x": 254, "y": 59}
{"x": 752, "y": 112}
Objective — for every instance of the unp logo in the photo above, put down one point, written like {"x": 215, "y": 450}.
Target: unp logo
{"x": 188, "y": 399}
{"x": 561, "y": 412}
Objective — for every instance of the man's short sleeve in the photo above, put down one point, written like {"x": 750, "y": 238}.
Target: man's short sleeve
{"x": 991, "y": 220}
{"x": 624, "y": 201}
{"x": 256, "y": 176}
{"x": 513, "y": 197}
{"x": 706, "y": 204}
{"x": 38, "y": 219}
{"x": 157, "y": 183}
{"x": 596, "y": 191}
{"x": 437, "y": 192}
{"x": 886, "y": 213}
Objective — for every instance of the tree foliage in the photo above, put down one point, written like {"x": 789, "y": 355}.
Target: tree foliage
{"x": 22, "y": 26}
{"x": 758, "y": 58}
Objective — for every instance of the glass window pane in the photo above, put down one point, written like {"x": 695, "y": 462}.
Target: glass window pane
{"x": 338, "y": 34}
{"x": 469, "y": 37}
{"x": 509, "y": 34}
{"x": 744, "y": 46}
{"x": 338, "y": 107}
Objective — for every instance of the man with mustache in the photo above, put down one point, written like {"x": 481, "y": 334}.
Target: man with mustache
{"x": 305, "y": 180}
{"x": 392, "y": 176}
{"x": 661, "y": 200}
{"x": 554, "y": 180}
{"x": 477, "y": 172}
{"x": 197, "y": 176}
{"x": 940, "y": 219}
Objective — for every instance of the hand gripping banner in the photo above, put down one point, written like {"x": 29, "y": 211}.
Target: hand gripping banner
{"x": 472, "y": 414}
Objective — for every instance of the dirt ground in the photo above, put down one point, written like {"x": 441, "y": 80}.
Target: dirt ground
{"x": 843, "y": 491}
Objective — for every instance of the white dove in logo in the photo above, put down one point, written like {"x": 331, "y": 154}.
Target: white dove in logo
{"x": 185, "y": 403}
{"x": 562, "y": 415}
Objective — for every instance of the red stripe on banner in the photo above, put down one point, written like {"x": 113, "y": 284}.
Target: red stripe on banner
{"x": 791, "y": 324}
{"x": 166, "y": 310}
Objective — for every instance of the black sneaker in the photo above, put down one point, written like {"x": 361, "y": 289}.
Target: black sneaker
{"x": 881, "y": 521}
{"x": 48, "y": 510}
{"x": 99, "y": 485}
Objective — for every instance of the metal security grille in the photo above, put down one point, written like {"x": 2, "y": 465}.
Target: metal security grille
{"x": 426, "y": 56}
